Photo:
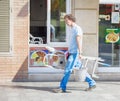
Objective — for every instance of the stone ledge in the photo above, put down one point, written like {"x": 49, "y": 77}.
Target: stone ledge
{"x": 47, "y": 77}
{"x": 108, "y": 76}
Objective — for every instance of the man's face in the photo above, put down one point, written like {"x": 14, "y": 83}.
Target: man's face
{"x": 68, "y": 22}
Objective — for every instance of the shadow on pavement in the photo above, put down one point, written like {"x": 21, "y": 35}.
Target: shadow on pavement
{"x": 49, "y": 89}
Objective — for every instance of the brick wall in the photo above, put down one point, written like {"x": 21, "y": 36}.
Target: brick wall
{"x": 15, "y": 67}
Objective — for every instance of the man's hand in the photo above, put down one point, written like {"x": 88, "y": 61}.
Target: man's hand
{"x": 80, "y": 56}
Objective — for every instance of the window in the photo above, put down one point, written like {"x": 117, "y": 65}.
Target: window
{"x": 4, "y": 26}
{"x": 57, "y": 27}
{"x": 109, "y": 33}
{"x": 38, "y": 22}
{"x": 47, "y": 21}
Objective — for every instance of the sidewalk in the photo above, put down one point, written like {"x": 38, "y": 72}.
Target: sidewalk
{"x": 43, "y": 91}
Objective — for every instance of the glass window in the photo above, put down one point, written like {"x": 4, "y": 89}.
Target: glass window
{"x": 38, "y": 19}
{"x": 47, "y": 21}
{"x": 57, "y": 27}
{"x": 109, "y": 34}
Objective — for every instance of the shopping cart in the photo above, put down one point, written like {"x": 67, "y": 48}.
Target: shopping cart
{"x": 80, "y": 72}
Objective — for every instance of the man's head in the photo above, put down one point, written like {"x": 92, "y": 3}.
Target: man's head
{"x": 69, "y": 19}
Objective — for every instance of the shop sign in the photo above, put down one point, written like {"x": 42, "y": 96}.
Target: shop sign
{"x": 106, "y": 17}
{"x": 115, "y": 18}
{"x": 112, "y": 36}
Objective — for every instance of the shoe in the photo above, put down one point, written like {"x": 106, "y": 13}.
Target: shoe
{"x": 59, "y": 90}
{"x": 90, "y": 88}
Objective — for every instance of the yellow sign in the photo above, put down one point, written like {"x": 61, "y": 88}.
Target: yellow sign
{"x": 112, "y": 36}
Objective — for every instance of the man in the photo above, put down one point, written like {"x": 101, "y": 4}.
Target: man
{"x": 75, "y": 50}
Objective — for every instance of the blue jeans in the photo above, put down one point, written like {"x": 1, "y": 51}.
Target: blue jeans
{"x": 72, "y": 61}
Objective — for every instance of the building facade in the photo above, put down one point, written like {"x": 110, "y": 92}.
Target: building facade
{"x": 29, "y": 26}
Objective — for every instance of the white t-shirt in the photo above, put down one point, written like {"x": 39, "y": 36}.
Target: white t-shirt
{"x": 75, "y": 30}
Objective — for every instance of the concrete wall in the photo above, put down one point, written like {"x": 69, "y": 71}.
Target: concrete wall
{"x": 86, "y": 12}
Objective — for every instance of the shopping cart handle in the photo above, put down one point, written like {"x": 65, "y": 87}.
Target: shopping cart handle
{"x": 105, "y": 64}
{"x": 92, "y": 58}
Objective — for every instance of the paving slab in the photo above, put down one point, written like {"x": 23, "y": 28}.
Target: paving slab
{"x": 44, "y": 91}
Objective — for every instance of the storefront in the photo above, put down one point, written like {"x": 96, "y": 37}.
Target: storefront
{"x": 109, "y": 35}
{"x": 47, "y": 28}
{"x": 29, "y": 26}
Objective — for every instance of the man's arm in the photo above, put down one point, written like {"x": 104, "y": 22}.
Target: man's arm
{"x": 78, "y": 38}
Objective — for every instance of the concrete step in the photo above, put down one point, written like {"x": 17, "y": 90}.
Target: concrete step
{"x": 47, "y": 77}
{"x": 58, "y": 76}
{"x": 111, "y": 76}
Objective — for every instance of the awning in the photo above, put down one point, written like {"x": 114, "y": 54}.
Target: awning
{"x": 109, "y": 1}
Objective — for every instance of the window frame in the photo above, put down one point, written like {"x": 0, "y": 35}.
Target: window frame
{"x": 59, "y": 44}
